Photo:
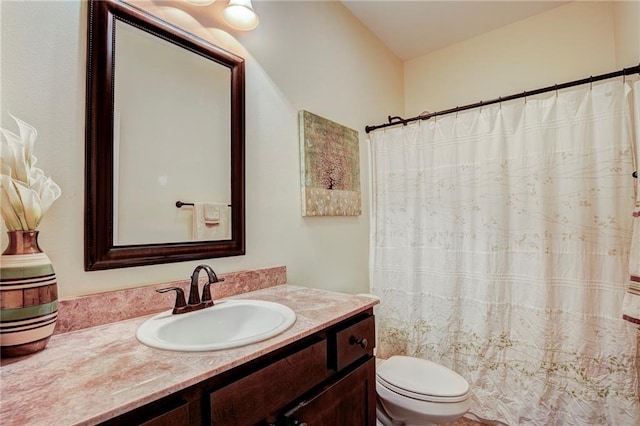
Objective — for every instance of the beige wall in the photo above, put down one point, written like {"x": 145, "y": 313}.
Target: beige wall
{"x": 626, "y": 16}
{"x": 567, "y": 43}
{"x": 307, "y": 55}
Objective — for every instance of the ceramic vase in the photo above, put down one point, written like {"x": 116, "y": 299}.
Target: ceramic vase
{"x": 28, "y": 296}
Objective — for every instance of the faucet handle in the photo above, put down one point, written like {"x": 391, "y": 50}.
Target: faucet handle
{"x": 180, "y": 301}
{"x": 206, "y": 295}
{"x": 206, "y": 292}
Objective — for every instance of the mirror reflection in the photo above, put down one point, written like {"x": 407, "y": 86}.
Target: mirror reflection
{"x": 171, "y": 142}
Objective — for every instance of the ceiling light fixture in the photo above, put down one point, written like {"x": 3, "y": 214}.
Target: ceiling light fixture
{"x": 240, "y": 15}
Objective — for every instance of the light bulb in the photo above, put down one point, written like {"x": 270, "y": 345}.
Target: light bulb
{"x": 240, "y": 15}
{"x": 200, "y": 2}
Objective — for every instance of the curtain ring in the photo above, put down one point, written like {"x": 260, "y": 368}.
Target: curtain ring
{"x": 555, "y": 86}
{"x": 500, "y": 101}
{"x": 457, "y": 110}
{"x": 524, "y": 94}
{"x": 590, "y": 82}
{"x": 424, "y": 115}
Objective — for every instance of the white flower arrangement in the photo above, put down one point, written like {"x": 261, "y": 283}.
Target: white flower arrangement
{"x": 26, "y": 193}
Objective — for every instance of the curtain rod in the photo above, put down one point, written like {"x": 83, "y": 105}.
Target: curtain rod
{"x": 393, "y": 121}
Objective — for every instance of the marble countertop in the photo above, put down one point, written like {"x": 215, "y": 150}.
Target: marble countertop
{"x": 88, "y": 376}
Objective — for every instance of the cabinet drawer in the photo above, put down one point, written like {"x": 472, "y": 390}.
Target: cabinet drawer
{"x": 355, "y": 341}
{"x": 250, "y": 399}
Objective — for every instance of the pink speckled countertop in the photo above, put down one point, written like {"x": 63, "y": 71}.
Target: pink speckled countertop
{"x": 88, "y": 376}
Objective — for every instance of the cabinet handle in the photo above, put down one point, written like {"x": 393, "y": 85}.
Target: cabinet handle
{"x": 297, "y": 423}
{"x": 353, "y": 340}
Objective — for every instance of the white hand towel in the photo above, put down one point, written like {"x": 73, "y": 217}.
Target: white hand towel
{"x": 212, "y": 213}
{"x": 631, "y": 302}
{"x": 211, "y": 221}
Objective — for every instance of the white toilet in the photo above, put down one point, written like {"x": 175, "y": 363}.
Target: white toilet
{"x": 417, "y": 392}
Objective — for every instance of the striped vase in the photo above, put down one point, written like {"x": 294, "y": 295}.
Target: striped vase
{"x": 28, "y": 296}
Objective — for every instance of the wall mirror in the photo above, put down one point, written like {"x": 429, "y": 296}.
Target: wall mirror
{"x": 165, "y": 126}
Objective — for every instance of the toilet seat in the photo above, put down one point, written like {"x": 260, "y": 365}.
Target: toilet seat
{"x": 422, "y": 379}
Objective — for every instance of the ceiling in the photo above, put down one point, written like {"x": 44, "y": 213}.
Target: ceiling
{"x": 414, "y": 28}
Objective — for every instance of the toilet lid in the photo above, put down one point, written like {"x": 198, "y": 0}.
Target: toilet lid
{"x": 422, "y": 379}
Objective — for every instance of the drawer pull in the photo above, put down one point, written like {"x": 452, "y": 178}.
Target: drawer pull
{"x": 360, "y": 342}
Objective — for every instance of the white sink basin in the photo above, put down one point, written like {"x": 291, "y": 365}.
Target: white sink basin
{"x": 227, "y": 324}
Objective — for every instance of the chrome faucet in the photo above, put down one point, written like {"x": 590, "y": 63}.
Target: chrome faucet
{"x": 195, "y": 301}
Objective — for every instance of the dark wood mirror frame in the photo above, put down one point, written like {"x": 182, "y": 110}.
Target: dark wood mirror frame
{"x": 100, "y": 252}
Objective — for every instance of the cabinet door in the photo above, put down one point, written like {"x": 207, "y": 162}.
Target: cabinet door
{"x": 172, "y": 412}
{"x": 176, "y": 417}
{"x": 249, "y": 400}
{"x": 351, "y": 401}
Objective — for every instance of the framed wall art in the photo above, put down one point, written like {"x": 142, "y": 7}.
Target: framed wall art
{"x": 330, "y": 167}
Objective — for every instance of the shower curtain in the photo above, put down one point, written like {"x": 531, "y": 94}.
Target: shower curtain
{"x": 500, "y": 249}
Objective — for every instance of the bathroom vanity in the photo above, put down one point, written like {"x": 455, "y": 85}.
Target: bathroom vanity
{"x": 321, "y": 371}
{"x": 326, "y": 378}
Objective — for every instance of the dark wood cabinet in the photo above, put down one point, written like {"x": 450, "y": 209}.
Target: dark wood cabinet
{"x": 327, "y": 378}
{"x": 247, "y": 400}
{"x": 174, "y": 410}
{"x": 178, "y": 416}
{"x": 345, "y": 402}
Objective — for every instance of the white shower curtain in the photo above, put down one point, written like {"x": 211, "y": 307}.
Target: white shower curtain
{"x": 500, "y": 248}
